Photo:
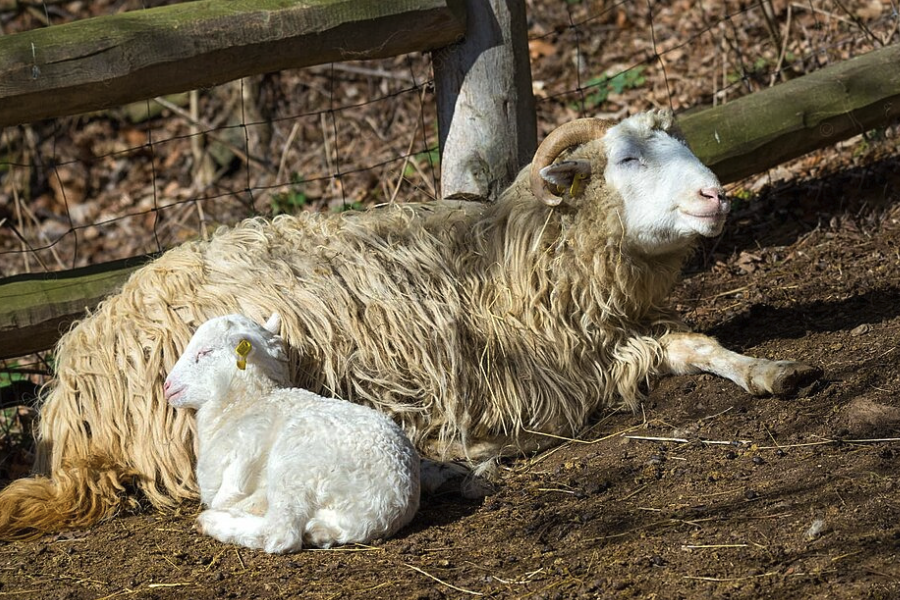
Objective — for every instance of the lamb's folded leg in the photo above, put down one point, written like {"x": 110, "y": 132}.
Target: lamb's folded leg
{"x": 239, "y": 480}
{"x": 686, "y": 353}
{"x": 233, "y": 527}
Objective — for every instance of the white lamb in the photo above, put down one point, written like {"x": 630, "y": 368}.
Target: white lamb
{"x": 281, "y": 467}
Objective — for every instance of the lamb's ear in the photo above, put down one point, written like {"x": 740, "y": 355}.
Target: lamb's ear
{"x": 568, "y": 176}
{"x": 244, "y": 345}
{"x": 273, "y": 325}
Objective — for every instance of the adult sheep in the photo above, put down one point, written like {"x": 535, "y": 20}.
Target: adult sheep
{"x": 477, "y": 327}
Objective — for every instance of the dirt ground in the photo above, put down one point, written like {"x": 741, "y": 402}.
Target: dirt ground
{"x": 708, "y": 492}
{"x": 766, "y": 498}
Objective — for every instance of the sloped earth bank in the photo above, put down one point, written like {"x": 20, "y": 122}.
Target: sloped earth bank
{"x": 802, "y": 504}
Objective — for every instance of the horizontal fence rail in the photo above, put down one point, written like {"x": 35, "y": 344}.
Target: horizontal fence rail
{"x": 108, "y": 61}
{"x": 769, "y": 127}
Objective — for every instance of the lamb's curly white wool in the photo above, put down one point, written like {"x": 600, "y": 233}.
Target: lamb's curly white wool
{"x": 280, "y": 467}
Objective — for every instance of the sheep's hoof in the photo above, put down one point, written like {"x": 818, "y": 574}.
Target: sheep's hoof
{"x": 793, "y": 377}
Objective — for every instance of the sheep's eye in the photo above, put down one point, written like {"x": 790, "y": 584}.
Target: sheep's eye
{"x": 629, "y": 160}
{"x": 202, "y": 353}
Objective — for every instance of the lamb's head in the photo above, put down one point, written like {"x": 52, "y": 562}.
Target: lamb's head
{"x": 667, "y": 197}
{"x": 221, "y": 349}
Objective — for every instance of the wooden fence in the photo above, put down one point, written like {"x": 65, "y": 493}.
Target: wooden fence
{"x": 107, "y": 61}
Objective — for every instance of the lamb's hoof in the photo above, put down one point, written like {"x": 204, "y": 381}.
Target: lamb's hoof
{"x": 794, "y": 377}
{"x": 201, "y": 525}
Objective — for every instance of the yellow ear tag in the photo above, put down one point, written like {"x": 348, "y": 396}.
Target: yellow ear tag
{"x": 576, "y": 188}
{"x": 243, "y": 349}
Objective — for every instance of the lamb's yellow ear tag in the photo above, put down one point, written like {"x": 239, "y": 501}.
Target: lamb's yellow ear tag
{"x": 243, "y": 349}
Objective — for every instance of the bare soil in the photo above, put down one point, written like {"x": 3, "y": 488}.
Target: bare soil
{"x": 767, "y": 498}
{"x": 738, "y": 497}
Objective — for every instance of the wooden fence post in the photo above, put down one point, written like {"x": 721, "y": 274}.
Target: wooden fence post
{"x": 486, "y": 119}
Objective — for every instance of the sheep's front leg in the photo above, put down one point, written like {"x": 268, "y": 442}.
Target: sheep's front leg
{"x": 686, "y": 353}
{"x": 437, "y": 477}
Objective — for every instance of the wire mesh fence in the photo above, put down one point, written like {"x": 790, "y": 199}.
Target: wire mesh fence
{"x": 620, "y": 57}
{"x": 142, "y": 178}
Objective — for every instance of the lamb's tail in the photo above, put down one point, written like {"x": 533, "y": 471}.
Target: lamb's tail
{"x": 74, "y": 497}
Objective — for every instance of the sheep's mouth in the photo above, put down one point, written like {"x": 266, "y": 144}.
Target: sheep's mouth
{"x": 172, "y": 395}
{"x": 716, "y": 215}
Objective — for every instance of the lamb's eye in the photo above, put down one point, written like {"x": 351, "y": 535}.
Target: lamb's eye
{"x": 202, "y": 353}
{"x": 629, "y": 160}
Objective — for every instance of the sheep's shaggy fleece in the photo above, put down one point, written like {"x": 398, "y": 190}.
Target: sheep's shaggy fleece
{"x": 475, "y": 326}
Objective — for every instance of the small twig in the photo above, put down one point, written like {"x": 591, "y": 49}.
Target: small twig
{"x": 586, "y": 442}
{"x": 209, "y": 131}
{"x": 771, "y": 437}
{"x": 847, "y": 555}
{"x": 357, "y": 548}
{"x": 750, "y": 442}
{"x": 122, "y": 592}
{"x": 167, "y": 559}
{"x": 783, "y": 53}
{"x": 687, "y": 441}
{"x": 636, "y": 492}
{"x": 442, "y": 582}
{"x": 814, "y": 9}
{"x": 657, "y": 439}
{"x": 154, "y": 586}
{"x": 406, "y": 158}
{"x": 215, "y": 560}
{"x": 726, "y": 579}
{"x": 729, "y": 292}
{"x": 357, "y": 70}
{"x": 287, "y": 147}
{"x": 768, "y": 12}
{"x": 718, "y": 414}
{"x": 829, "y": 442}
{"x": 708, "y": 546}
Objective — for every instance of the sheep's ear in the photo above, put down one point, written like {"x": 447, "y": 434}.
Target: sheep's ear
{"x": 568, "y": 176}
{"x": 273, "y": 325}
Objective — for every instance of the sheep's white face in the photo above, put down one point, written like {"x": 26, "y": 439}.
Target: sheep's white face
{"x": 669, "y": 196}
{"x": 207, "y": 366}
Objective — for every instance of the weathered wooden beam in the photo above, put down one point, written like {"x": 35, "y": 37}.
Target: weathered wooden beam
{"x": 485, "y": 103}
{"x": 759, "y": 131}
{"x": 35, "y": 310}
{"x": 112, "y": 60}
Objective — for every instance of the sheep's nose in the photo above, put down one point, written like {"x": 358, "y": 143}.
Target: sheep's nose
{"x": 717, "y": 195}
{"x": 167, "y": 385}
{"x": 712, "y": 193}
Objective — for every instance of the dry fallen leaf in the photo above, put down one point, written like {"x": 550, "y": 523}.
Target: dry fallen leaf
{"x": 540, "y": 48}
{"x": 870, "y": 11}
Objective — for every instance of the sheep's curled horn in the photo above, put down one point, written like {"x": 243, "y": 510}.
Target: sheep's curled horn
{"x": 565, "y": 136}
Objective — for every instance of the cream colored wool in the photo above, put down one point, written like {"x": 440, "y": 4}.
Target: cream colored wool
{"x": 468, "y": 323}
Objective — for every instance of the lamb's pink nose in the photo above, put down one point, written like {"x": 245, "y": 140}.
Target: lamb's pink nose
{"x": 167, "y": 386}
